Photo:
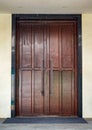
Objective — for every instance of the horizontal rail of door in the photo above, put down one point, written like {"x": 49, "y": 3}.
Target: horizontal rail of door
{"x": 40, "y": 69}
{"x": 35, "y": 69}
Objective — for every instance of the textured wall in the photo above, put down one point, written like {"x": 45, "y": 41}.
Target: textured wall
{"x": 5, "y": 65}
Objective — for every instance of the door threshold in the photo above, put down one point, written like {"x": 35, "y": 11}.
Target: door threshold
{"x": 46, "y": 120}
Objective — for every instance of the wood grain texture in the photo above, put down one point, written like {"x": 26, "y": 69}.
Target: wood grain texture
{"x": 46, "y": 68}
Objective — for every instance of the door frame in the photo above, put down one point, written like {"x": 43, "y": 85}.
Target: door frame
{"x": 40, "y": 17}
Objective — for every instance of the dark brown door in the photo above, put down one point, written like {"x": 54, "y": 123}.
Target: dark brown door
{"x": 46, "y": 68}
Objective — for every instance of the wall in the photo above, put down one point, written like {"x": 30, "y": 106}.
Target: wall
{"x": 5, "y": 65}
{"x": 87, "y": 64}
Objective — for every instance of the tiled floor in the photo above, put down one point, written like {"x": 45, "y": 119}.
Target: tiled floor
{"x": 79, "y": 126}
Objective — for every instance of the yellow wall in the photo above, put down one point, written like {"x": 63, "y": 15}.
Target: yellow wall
{"x": 87, "y": 64}
{"x": 5, "y": 65}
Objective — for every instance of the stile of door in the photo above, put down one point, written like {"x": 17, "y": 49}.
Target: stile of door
{"x": 46, "y": 68}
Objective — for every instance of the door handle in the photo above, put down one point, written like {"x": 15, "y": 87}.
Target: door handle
{"x": 51, "y": 77}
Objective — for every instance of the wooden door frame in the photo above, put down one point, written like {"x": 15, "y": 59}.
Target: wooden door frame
{"x": 40, "y": 17}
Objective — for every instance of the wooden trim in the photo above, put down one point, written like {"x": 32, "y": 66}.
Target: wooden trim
{"x": 48, "y": 17}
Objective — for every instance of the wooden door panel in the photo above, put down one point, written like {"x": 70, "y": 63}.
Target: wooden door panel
{"x": 67, "y": 46}
{"x": 55, "y": 94}
{"x": 54, "y": 65}
{"x": 38, "y": 68}
{"x": 38, "y": 45}
{"x": 67, "y": 93}
{"x": 54, "y": 44}
{"x": 47, "y": 69}
{"x": 25, "y": 46}
{"x": 38, "y": 97}
{"x": 25, "y": 93}
{"x": 46, "y": 92}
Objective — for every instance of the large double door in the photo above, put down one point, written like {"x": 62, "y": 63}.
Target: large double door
{"x": 46, "y": 68}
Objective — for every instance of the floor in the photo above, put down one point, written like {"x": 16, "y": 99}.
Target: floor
{"x": 46, "y": 126}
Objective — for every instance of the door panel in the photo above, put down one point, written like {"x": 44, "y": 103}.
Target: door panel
{"x": 46, "y": 92}
{"x": 38, "y": 45}
{"x": 54, "y": 44}
{"x": 67, "y": 46}
{"x": 38, "y": 68}
{"x": 25, "y": 46}
{"x": 38, "y": 97}
{"x": 25, "y": 92}
{"x": 67, "y": 93}
{"x": 46, "y": 69}
{"x": 55, "y": 94}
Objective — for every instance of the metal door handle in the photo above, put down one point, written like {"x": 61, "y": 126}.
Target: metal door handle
{"x": 51, "y": 76}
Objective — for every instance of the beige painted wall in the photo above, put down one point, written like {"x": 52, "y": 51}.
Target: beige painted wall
{"x": 5, "y": 65}
{"x": 87, "y": 64}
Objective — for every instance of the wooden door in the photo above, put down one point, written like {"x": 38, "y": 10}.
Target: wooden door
{"x": 46, "y": 68}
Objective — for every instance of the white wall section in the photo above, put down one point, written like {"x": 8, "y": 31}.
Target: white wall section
{"x": 5, "y": 65}
{"x": 87, "y": 64}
